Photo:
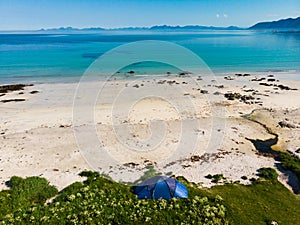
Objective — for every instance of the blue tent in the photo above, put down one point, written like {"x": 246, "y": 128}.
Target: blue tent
{"x": 161, "y": 187}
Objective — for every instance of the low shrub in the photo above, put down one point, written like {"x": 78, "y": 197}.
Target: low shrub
{"x": 103, "y": 201}
{"x": 268, "y": 173}
{"x": 289, "y": 162}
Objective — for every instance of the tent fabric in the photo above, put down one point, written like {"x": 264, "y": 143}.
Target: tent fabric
{"x": 161, "y": 187}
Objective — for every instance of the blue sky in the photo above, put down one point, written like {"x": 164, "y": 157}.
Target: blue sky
{"x": 36, "y": 14}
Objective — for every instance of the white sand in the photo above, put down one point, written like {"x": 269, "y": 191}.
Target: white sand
{"x": 157, "y": 124}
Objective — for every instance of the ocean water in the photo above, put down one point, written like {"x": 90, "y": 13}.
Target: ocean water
{"x": 59, "y": 57}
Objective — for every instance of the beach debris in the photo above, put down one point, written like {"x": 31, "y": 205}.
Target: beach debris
{"x": 195, "y": 158}
{"x": 270, "y": 75}
{"x": 280, "y": 86}
{"x": 130, "y": 164}
{"x": 243, "y": 75}
{"x": 161, "y": 81}
{"x": 136, "y": 86}
{"x": 184, "y": 73}
{"x": 232, "y": 96}
{"x": 147, "y": 162}
{"x": 204, "y": 92}
{"x": 271, "y": 80}
{"x": 217, "y": 93}
{"x": 185, "y": 166}
{"x": 258, "y": 79}
{"x": 13, "y": 100}
{"x": 283, "y": 124}
{"x": 219, "y": 86}
{"x": 283, "y": 87}
{"x": 34, "y": 92}
{"x": 13, "y": 87}
{"x": 273, "y": 222}
{"x": 228, "y": 78}
{"x": 249, "y": 90}
{"x": 171, "y": 82}
{"x": 238, "y": 96}
{"x": 64, "y": 126}
{"x": 266, "y": 84}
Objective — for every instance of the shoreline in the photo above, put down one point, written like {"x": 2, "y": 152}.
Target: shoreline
{"x": 292, "y": 75}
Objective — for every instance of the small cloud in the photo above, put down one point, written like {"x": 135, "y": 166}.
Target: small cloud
{"x": 225, "y": 15}
{"x": 218, "y": 15}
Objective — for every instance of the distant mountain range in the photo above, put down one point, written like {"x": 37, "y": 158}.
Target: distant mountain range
{"x": 278, "y": 25}
{"x": 284, "y": 24}
{"x": 153, "y": 28}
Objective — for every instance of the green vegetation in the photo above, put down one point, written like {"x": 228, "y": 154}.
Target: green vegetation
{"x": 260, "y": 203}
{"x": 215, "y": 178}
{"x": 25, "y": 193}
{"x": 268, "y": 174}
{"x": 289, "y": 162}
{"x": 100, "y": 200}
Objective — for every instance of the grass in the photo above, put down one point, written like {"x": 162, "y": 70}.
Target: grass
{"x": 100, "y": 200}
{"x": 260, "y": 203}
{"x": 289, "y": 162}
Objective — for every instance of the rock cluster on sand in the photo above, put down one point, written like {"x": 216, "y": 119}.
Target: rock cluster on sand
{"x": 13, "y": 87}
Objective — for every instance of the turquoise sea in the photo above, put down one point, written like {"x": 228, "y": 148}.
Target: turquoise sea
{"x": 60, "y": 57}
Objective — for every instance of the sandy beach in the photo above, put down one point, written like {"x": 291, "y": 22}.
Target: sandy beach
{"x": 189, "y": 126}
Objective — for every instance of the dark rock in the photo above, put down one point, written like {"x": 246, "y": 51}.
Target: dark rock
{"x": 131, "y": 72}
{"x": 171, "y": 82}
{"x": 161, "y": 81}
{"x": 13, "y": 87}
{"x": 2, "y": 95}
{"x": 266, "y": 84}
{"x": 131, "y": 164}
{"x": 271, "y": 80}
{"x": 229, "y": 78}
{"x": 283, "y": 87}
{"x": 13, "y": 100}
{"x": 246, "y": 97}
{"x": 204, "y": 92}
{"x": 232, "y": 96}
{"x": 195, "y": 158}
{"x": 33, "y": 92}
{"x": 249, "y": 90}
{"x": 184, "y": 73}
{"x": 136, "y": 86}
{"x": 258, "y": 79}
{"x": 242, "y": 75}
{"x": 285, "y": 124}
{"x": 217, "y": 93}
{"x": 219, "y": 86}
